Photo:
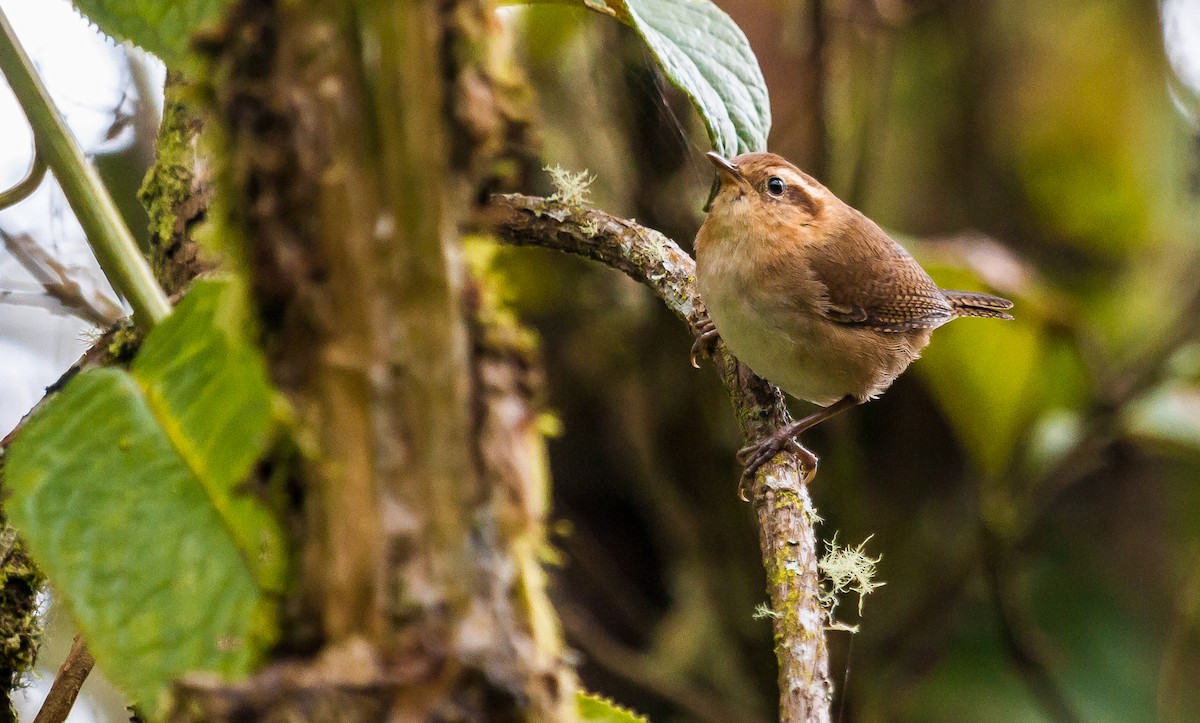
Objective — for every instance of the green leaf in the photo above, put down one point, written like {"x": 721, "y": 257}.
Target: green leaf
{"x": 208, "y": 387}
{"x": 598, "y": 709}
{"x": 984, "y": 374}
{"x": 163, "y": 27}
{"x": 127, "y": 488}
{"x": 705, "y": 54}
{"x": 987, "y": 376}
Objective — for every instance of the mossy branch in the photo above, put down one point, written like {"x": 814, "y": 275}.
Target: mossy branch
{"x": 786, "y": 517}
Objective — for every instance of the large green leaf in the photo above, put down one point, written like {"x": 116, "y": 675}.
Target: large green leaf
{"x": 705, "y": 54}
{"x": 163, "y": 27}
{"x": 127, "y": 488}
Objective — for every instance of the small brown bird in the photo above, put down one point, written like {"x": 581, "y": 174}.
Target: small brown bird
{"x": 812, "y": 295}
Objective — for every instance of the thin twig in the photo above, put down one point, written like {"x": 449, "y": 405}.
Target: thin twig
{"x": 33, "y": 299}
{"x": 786, "y": 517}
{"x": 99, "y": 353}
{"x": 61, "y": 282}
{"x": 70, "y": 678}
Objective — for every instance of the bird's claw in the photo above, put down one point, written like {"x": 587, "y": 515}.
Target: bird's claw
{"x": 808, "y": 461}
{"x": 754, "y": 456}
{"x": 706, "y": 340}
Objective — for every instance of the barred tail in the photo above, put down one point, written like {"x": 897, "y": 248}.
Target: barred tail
{"x": 970, "y": 303}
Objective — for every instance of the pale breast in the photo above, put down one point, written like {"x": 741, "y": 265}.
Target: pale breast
{"x": 779, "y": 333}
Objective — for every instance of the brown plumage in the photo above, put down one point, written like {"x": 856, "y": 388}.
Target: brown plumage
{"x": 972, "y": 303}
{"x": 811, "y": 294}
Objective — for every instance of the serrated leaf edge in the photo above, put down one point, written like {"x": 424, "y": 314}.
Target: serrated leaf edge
{"x": 582, "y": 695}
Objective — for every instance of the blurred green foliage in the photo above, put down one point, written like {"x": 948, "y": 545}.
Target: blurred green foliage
{"x": 1033, "y": 487}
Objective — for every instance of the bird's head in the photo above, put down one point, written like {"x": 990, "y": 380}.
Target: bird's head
{"x": 764, "y": 188}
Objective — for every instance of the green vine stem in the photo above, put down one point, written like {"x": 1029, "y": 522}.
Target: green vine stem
{"x": 27, "y": 185}
{"x": 115, "y": 249}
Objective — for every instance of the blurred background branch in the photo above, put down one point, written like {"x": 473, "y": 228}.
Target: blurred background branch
{"x": 75, "y": 292}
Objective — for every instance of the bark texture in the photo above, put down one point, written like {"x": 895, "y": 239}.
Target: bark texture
{"x": 356, "y": 137}
{"x": 71, "y": 676}
{"x": 786, "y": 518}
{"x": 176, "y": 193}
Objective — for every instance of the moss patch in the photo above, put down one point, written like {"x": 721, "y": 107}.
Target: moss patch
{"x": 20, "y": 626}
{"x": 173, "y": 196}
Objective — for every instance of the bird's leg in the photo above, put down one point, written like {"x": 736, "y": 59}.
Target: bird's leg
{"x": 808, "y": 465}
{"x": 706, "y": 339}
{"x": 761, "y": 452}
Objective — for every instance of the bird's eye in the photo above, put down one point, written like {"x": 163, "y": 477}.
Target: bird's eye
{"x": 775, "y": 186}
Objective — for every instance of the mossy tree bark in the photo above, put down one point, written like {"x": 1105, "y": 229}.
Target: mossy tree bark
{"x": 20, "y": 625}
{"x": 355, "y": 138}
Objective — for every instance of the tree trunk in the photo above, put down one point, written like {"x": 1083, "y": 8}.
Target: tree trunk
{"x": 356, "y": 137}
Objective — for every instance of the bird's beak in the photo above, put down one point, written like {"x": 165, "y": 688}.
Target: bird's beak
{"x": 724, "y": 166}
{"x": 729, "y": 176}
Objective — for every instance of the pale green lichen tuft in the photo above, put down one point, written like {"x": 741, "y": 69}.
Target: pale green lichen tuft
{"x": 763, "y": 611}
{"x": 573, "y": 189}
{"x": 846, "y": 569}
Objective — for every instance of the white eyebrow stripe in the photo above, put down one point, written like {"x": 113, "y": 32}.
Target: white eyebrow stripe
{"x": 792, "y": 177}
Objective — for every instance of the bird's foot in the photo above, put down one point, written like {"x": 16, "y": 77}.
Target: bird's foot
{"x": 706, "y": 340}
{"x": 756, "y": 455}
